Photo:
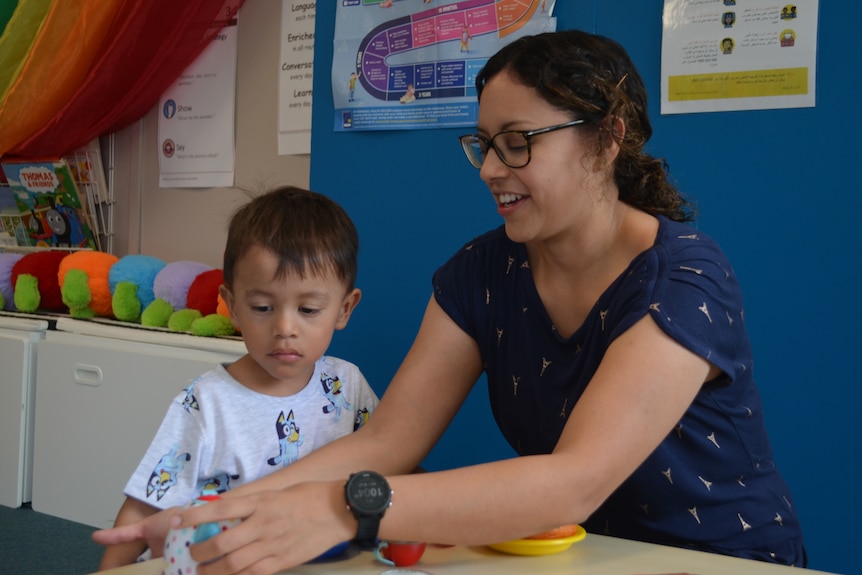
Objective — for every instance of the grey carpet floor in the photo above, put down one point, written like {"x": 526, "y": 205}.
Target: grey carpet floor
{"x": 33, "y": 543}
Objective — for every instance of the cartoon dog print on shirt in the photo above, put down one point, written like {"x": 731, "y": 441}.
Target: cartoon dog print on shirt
{"x": 361, "y": 418}
{"x": 289, "y": 440}
{"x": 165, "y": 474}
{"x": 331, "y": 387}
{"x": 190, "y": 402}
{"x": 217, "y": 484}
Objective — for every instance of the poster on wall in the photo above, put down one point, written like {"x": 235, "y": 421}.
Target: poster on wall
{"x": 295, "y": 77}
{"x": 196, "y": 119}
{"x": 722, "y": 55}
{"x": 412, "y": 64}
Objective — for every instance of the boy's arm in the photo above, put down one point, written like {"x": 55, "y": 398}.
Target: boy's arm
{"x": 126, "y": 553}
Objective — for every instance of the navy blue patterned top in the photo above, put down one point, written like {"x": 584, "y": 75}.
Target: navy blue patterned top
{"x": 711, "y": 484}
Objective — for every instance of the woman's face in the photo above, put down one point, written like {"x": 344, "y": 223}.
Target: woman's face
{"x": 557, "y": 191}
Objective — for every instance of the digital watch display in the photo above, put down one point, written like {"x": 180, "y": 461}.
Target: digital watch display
{"x": 368, "y": 496}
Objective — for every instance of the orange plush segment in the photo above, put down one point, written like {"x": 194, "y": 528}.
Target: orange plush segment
{"x": 97, "y": 266}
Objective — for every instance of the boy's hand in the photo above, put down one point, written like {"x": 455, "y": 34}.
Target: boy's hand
{"x": 154, "y": 529}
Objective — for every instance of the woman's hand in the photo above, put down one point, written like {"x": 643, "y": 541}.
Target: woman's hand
{"x": 152, "y": 529}
{"x": 279, "y": 529}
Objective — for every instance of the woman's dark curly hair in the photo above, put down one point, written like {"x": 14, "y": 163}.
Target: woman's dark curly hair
{"x": 592, "y": 78}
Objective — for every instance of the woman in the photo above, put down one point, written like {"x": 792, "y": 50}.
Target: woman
{"x": 612, "y": 335}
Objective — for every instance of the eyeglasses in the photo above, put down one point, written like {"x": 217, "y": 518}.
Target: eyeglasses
{"x": 511, "y": 146}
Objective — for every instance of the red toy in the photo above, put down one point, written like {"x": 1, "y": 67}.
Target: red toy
{"x": 203, "y": 292}
{"x": 36, "y": 282}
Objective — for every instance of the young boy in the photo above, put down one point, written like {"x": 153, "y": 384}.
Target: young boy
{"x": 289, "y": 271}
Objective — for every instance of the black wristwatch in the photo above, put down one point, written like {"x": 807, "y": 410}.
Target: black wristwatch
{"x": 368, "y": 496}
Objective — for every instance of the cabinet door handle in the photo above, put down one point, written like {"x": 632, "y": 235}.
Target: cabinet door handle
{"x": 88, "y": 374}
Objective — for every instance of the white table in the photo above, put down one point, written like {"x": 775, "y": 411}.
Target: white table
{"x": 595, "y": 555}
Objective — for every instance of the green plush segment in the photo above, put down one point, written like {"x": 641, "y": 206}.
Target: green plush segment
{"x": 82, "y": 313}
{"x": 125, "y": 302}
{"x": 27, "y": 296}
{"x": 213, "y": 325}
{"x": 181, "y": 320}
{"x": 157, "y": 313}
{"x": 76, "y": 293}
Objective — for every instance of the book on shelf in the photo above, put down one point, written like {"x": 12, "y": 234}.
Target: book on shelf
{"x": 89, "y": 173}
{"x": 10, "y": 217}
{"x": 51, "y": 209}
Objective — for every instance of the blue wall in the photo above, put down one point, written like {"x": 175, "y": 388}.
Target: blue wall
{"x": 776, "y": 188}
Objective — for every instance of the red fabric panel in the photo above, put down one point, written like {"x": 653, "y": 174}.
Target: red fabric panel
{"x": 151, "y": 44}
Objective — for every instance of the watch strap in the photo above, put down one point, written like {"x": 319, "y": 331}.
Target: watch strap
{"x": 367, "y": 518}
{"x": 366, "y": 532}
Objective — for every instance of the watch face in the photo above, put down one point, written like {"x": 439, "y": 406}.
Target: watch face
{"x": 368, "y": 492}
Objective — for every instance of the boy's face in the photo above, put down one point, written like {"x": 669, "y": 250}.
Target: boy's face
{"x": 287, "y": 323}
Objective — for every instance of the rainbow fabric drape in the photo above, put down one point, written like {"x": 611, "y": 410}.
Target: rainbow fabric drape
{"x": 6, "y": 9}
{"x": 72, "y": 70}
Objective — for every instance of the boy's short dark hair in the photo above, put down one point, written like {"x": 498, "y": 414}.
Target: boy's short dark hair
{"x": 309, "y": 232}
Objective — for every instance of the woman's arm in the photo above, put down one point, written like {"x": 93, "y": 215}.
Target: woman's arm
{"x": 639, "y": 393}
{"x": 641, "y": 390}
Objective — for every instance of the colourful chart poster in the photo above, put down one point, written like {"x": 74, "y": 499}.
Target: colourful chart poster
{"x": 412, "y": 64}
{"x": 721, "y": 55}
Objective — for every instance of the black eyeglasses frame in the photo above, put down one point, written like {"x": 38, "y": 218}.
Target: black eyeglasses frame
{"x": 468, "y": 140}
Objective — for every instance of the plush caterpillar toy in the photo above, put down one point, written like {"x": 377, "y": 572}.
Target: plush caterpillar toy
{"x": 181, "y": 296}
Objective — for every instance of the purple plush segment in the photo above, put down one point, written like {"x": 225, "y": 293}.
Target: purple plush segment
{"x": 140, "y": 270}
{"x": 7, "y": 261}
{"x": 173, "y": 282}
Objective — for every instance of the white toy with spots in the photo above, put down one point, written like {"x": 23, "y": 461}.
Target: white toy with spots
{"x": 177, "y": 559}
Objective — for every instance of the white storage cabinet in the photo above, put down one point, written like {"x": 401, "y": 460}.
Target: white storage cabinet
{"x": 99, "y": 401}
{"x": 18, "y": 347}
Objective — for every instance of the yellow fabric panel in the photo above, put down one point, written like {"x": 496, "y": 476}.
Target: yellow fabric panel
{"x": 18, "y": 37}
{"x": 64, "y": 50}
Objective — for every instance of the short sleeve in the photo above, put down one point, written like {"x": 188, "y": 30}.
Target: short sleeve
{"x": 450, "y": 294}
{"x": 462, "y": 286}
{"x": 167, "y": 474}
{"x": 697, "y": 301}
